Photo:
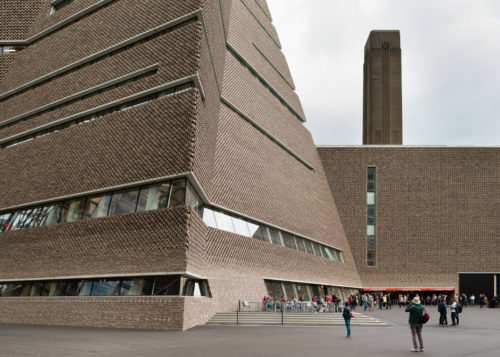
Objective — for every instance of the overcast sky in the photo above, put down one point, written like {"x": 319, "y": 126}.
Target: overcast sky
{"x": 451, "y": 66}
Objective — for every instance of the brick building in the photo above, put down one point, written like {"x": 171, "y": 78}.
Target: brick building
{"x": 157, "y": 170}
{"x": 144, "y": 188}
{"x": 419, "y": 218}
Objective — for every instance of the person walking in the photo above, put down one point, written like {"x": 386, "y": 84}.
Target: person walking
{"x": 347, "y": 314}
{"x": 472, "y": 300}
{"x": 416, "y": 311}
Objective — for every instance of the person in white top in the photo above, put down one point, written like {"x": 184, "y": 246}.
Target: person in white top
{"x": 454, "y": 312}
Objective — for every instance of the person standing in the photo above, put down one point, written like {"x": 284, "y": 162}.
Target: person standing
{"x": 443, "y": 319}
{"x": 472, "y": 300}
{"x": 347, "y": 314}
{"x": 416, "y": 311}
{"x": 454, "y": 312}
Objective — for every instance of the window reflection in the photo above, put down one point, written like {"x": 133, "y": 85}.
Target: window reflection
{"x": 150, "y": 197}
{"x": 154, "y": 197}
{"x": 230, "y": 223}
{"x": 178, "y": 194}
{"x": 97, "y": 206}
{"x": 167, "y": 285}
{"x": 73, "y": 210}
{"x": 136, "y": 286}
{"x": 124, "y": 202}
{"x": 240, "y": 227}
{"x": 106, "y": 287}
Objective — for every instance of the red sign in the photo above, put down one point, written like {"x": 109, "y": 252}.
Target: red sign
{"x": 408, "y": 289}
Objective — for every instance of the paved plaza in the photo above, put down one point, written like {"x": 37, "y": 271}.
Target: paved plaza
{"x": 478, "y": 335}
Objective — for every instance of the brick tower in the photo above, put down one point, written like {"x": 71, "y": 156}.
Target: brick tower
{"x": 382, "y": 98}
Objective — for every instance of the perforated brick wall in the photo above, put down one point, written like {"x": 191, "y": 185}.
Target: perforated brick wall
{"x": 437, "y": 211}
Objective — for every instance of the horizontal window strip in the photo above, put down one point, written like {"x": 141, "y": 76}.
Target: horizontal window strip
{"x": 6, "y": 50}
{"x": 305, "y": 293}
{"x": 263, "y": 81}
{"x": 274, "y": 67}
{"x": 99, "y": 112}
{"x": 261, "y": 25}
{"x": 163, "y": 285}
{"x": 265, "y": 132}
{"x": 87, "y": 93}
{"x": 110, "y": 51}
{"x": 231, "y": 223}
{"x": 166, "y": 194}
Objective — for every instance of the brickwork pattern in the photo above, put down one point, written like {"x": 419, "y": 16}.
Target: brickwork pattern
{"x": 256, "y": 177}
{"x": 208, "y": 110}
{"x": 120, "y": 21}
{"x": 244, "y": 30}
{"x": 437, "y": 211}
{"x": 266, "y": 110}
{"x": 163, "y": 50}
{"x": 5, "y": 61}
{"x": 17, "y": 17}
{"x": 142, "y": 312}
{"x": 144, "y": 242}
{"x": 117, "y": 149}
{"x": 196, "y": 244}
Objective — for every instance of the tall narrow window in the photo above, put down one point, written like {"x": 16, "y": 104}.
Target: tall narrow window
{"x": 370, "y": 212}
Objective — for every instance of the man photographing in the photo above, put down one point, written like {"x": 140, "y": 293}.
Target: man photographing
{"x": 415, "y": 320}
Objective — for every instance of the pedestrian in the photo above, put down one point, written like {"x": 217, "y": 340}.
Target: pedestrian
{"x": 347, "y": 314}
{"x": 365, "y": 302}
{"x": 416, "y": 311}
{"x": 443, "y": 319}
{"x": 454, "y": 312}
{"x": 472, "y": 300}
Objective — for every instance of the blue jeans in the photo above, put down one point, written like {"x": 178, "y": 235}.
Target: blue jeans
{"x": 365, "y": 305}
{"x": 348, "y": 326}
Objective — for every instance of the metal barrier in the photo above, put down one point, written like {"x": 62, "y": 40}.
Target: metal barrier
{"x": 288, "y": 307}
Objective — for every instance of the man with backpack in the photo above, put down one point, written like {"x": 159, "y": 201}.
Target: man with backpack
{"x": 443, "y": 319}
{"x": 347, "y": 314}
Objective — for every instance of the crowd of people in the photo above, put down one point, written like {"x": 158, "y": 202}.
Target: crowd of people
{"x": 412, "y": 303}
{"x": 381, "y": 301}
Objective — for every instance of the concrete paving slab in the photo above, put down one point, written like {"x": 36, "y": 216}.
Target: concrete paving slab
{"x": 477, "y": 335}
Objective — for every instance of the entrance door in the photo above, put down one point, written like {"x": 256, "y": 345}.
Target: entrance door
{"x": 476, "y": 284}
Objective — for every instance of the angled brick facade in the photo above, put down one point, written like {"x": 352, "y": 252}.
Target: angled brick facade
{"x": 106, "y": 97}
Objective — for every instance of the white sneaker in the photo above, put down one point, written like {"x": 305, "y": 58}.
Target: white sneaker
{"x": 415, "y": 350}
{"x": 421, "y": 350}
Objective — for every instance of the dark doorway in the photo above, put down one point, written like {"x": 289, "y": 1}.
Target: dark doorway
{"x": 476, "y": 284}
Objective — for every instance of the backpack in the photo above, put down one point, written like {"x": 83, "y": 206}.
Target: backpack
{"x": 440, "y": 307}
{"x": 459, "y": 308}
{"x": 425, "y": 317}
{"x": 346, "y": 313}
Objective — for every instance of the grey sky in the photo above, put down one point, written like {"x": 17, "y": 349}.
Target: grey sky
{"x": 451, "y": 66}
